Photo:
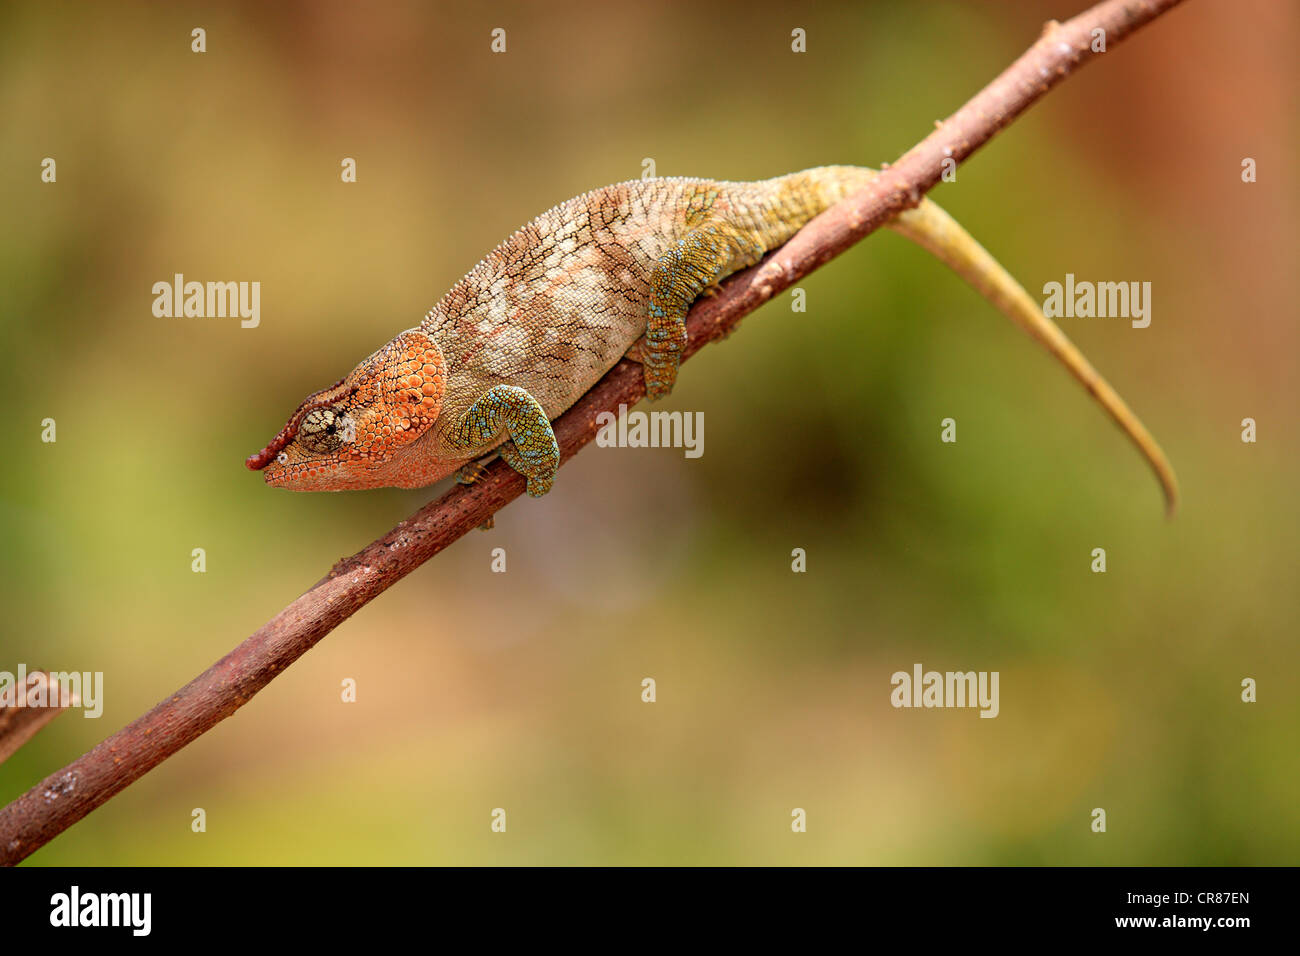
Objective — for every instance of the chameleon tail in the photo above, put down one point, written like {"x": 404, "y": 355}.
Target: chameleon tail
{"x": 939, "y": 234}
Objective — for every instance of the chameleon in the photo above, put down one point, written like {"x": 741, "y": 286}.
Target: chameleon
{"x": 606, "y": 275}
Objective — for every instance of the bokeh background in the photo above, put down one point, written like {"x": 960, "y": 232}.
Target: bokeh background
{"x": 522, "y": 690}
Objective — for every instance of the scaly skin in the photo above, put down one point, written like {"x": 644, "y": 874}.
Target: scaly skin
{"x": 549, "y": 311}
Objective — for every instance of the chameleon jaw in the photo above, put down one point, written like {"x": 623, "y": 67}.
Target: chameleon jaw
{"x": 411, "y": 469}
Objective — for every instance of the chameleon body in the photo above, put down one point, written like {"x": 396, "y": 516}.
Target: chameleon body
{"x": 550, "y": 310}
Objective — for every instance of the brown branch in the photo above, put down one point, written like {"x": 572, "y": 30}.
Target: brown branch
{"x": 20, "y": 720}
{"x": 68, "y": 795}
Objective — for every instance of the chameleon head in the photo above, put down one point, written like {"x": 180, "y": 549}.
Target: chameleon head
{"x": 362, "y": 431}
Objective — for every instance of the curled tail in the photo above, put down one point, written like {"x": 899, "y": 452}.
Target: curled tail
{"x": 938, "y": 233}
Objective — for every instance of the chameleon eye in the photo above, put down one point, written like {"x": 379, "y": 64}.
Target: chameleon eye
{"x": 319, "y": 431}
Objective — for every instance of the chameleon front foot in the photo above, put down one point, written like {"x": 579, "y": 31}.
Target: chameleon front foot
{"x": 472, "y": 471}
{"x": 530, "y": 447}
{"x": 540, "y": 479}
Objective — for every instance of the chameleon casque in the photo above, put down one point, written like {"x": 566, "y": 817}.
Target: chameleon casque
{"x": 551, "y": 309}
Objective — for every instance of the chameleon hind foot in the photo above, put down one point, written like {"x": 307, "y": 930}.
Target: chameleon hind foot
{"x": 691, "y": 268}
{"x": 660, "y": 373}
{"x": 530, "y": 447}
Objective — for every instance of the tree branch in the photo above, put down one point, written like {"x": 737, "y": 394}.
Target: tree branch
{"x": 20, "y": 719}
{"x": 68, "y": 795}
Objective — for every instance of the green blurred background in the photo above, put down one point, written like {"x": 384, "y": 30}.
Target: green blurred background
{"x": 522, "y": 691}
